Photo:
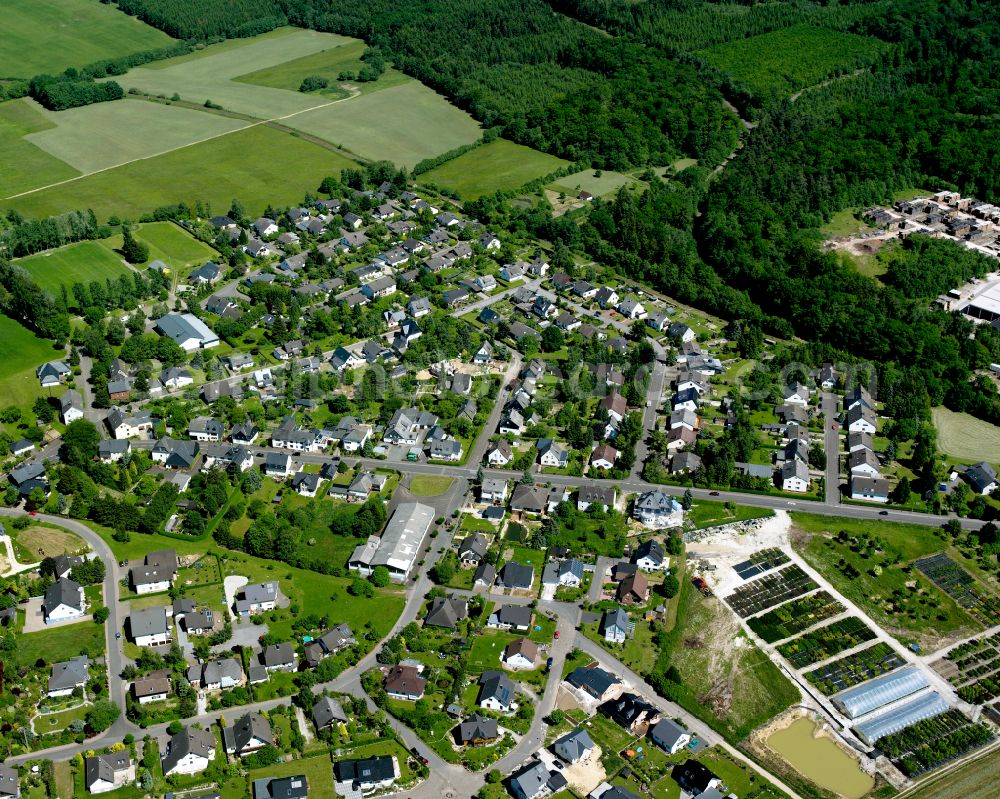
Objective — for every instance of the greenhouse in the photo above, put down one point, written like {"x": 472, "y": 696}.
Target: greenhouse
{"x": 861, "y": 699}
{"x": 923, "y": 707}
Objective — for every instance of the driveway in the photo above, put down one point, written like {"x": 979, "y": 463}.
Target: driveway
{"x": 232, "y": 586}
{"x": 245, "y": 634}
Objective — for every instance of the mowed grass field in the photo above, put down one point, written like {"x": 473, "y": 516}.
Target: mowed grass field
{"x": 782, "y": 61}
{"x": 21, "y": 351}
{"x": 327, "y": 64}
{"x": 500, "y": 165}
{"x": 51, "y": 35}
{"x": 965, "y": 437}
{"x": 43, "y": 542}
{"x": 212, "y": 75}
{"x": 81, "y": 262}
{"x": 24, "y": 165}
{"x": 589, "y": 180}
{"x": 258, "y": 165}
{"x": 105, "y": 135}
{"x": 168, "y": 243}
{"x": 404, "y": 124}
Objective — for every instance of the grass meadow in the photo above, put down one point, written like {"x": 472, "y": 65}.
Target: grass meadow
{"x": 258, "y": 165}
{"x": 75, "y": 33}
{"x": 327, "y": 64}
{"x": 105, "y": 135}
{"x": 170, "y": 244}
{"x": 589, "y": 180}
{"x": 500, "y": 165}
{"x": 75, "y": 263}
{"x": 782, "y": 61}
{"x": 20, "y": 352}
{"x": 965, "y": 437}
{"x": 25, "y": 165}
{"x": 404, "y": 124}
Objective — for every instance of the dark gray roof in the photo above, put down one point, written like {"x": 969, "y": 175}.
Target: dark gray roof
{"x": 369, "y": 770}
{"x": 497, "y": 685}
{"x": 278, "y": 655}
{"x": 188, "y": 741}
{"x": 245, "y": 730}
{"x": 517, "y": 575}
{"x": 446, "y": 612}
{"x": 63, "y": 592}
{"x": 326, "y": 711}
{"x": 477, "y": 728}
{"x": 594, "y": 680}
{"x": 104, "y": 767}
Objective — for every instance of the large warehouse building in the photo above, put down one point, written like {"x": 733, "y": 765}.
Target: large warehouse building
{"x": 400, "y": 542}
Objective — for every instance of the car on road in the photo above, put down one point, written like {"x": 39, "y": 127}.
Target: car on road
{"x": 32, "y": 513}
{"x": 548, "y": 663}
{"x": 713, "y": 493}
{"x": 833, "y": 426}
{"x": 883, "y": 513}
{"x": 557, "y": 635}
{"x": 118, "y": 636}
{"x": 417, "y": 755}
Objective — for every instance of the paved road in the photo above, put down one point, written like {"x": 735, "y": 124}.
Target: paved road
{"x": 482, "y": 443}
{"x": 830, "y": 404}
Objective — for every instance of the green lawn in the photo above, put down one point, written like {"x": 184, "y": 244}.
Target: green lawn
{"x": 25, "y": 164}
{"x": 779, "y": 62}
{"x": 965, "y": 437}
{"x": 318, "y": 771}
{"x": 707, "y": 513}
{"x": 389, "y": 747}
{"x": 81, "y": 262}
{"x": 328, "y": 64}
{"x": 61, "y": 643}
{"x": 104, "y": 135}
{"x": 880, "y": 578}
{"x": 50, "y": 35}
{"x": 282, "y": 170}
{"x": 428, "y": 486}
{"x": 20, "y": 352}
{"x": 373, "y": 127}
{"x": 57, "y": 722}
{"x": 500, "y": 165}
{"x": 169, "y": 243}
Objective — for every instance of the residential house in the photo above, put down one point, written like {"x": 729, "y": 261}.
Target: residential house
{"x": 187, "y": 331}
{"x": 476, "y": 731}
{"x": 688, "y": 462}
{"x": 67, "y": 676}
{"x": 536, "y": 780}
{"x": 294, "y": 787}
{"x": 796, "y": 394}
{"x": 256, "y": 598}
{"x": 306, "y": 484}
{"x": 327, "y": 712}
{"x": 206, "y": 274}
{"x": 606, "y": 496}
{"x": 517, "y": 576}
{"x": 594, "y": 681}
{"x": 670, "y": 736}
{"x": 63, "y": 600}
{"x": 367, "y": 775}
{"x": 520, "y": 653}
{"x": 278, "y": 466}
{"x": 859, "y": 397}
{"x": 278, "y": 657}
{"x": 615, "y": 625}
{"x": 445, "y": 612}
{"x": 795, "y": 476}
{"x": 150, "y": 627}
{"x": 871, "y": 489}
{"x": 175, "y": 454}
{"x": 205, "y": 428}
{"x": 657, "y": 509}
{"x": 71, "y": 406}
{"x": 510, "y": 617}
{"x": 864, "y": 463}
{"x": 631, "y": 712}
{"x": 103, "y": 773}
{"x": 574, "y": 746}
{"x": 694, "y": 777}
{"x": 405, "y": 682}
{"x": 681, "y": 332}
{"x": 190, "y": 751}
{"x": 485, "y": 575}
{"x": 500, "y": 453}
{"x": 569, "y": 573}
{"x": 52, "y": 373}
{"x": 10, "y": 783}
{"x": 250, "y": 733}
{"x": 265, "y": 227}
{"x": 616, "y": 406}
{"x": 982, "y": 477}
{"x": 123, "y": 426}
{"x": 496, "y": 692}
{"x": 632, "y": 309}
{"x": 603, "y": 457}
{"x": 649, "y": 556}
{"x": 633, "y": 590}
{"x": 156, "y": 572}
{"x": 494, "y": 490}
{"x": 471, "y": 550}
{"x": 553, "y": 454}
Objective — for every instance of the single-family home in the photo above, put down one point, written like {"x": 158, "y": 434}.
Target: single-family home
{"x": 150, "y": 627}
{"x": 982, "y": 477}
{"x": 536, "y": 780}
{"x": 445, "y": 612}
{"x": 871, "y": 489}
{"x": 658, "y": 509}
{"x": 574, "y": 746}
{"x": 603, "y": 457}
{"x": 476, "y": 731}
{"x": 71, "y": 406}
{"x": 190, "y": 751}
{"x": 293, "y": 787}
{"x": 594, "y": 681}
{"x": 52, "y": 373}
{"x": 862, "y": 419}
{"x": 367, "y": 775}
{"x": 63, "y": 600}
{"x": 103, "y": 773}
{"x": 327, "y": 712}
{"x": 615, "y": 626}
{"x": 670, "y": 736}
{"x": 67, "y": 676}
{"x": 248, "y": 734}
{"x": 516, "y": 575}
{"x": 510, "y": 617}
{"x": 496, "y": 692}
{"x": 631, "y": 712}
{"x": 256, "y": 598}
{"x": 607, "y": 496}
{"x": 633, "y": 590}
{"x": 405, "y": 682}
{"x": 156, "y": 572}
{"x": 649, "y": 556}
{"x": 795, "y": 476}
{"x": 520, "y": 653}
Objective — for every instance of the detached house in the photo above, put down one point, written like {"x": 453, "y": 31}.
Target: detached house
{"x": 247, "y": 735}
{"x": 64, "y": 600}
{"x": 103, "y": 773}
{"x": 405, "y": 682}
{"x": 190, "y": 751}
{"x": 257, "y": 598}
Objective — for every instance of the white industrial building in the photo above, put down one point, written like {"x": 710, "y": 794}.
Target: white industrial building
{"x": 400, "y": 542}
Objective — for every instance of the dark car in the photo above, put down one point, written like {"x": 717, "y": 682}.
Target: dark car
{"x": 713, "y": 493}
{"x": 883, "y": 513}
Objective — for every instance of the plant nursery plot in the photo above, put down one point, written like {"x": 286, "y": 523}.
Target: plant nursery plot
{"x": 812, "y": 647}
{"x": 854, "y": 669}
{"x": 770, "y": 590}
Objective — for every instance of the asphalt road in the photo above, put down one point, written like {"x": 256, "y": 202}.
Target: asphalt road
{"x": 830, "y": 403}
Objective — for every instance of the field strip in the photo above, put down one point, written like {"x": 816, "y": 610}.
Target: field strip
{"x": 179, "y": 147}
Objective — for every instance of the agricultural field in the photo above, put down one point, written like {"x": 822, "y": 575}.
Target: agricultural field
{"x": 26, "y": 165}
{"x": 500, "y": 165}
{"x": 81, "y": 262}
{"x": 343, "y": 57}
{"x": 855, "y": 668}
{"x": 282, "y": 170}
{"x": 966, "y": 438}
{"x": 826, "y": 642}
{"x": 38, "y": 542}
{"x": 871, "y": 563}
{"x": 212, "y": 76}
{"x": 795, "y": 616}
{"x": 21, "y": 351}
{"x": 973, "y": 780}
{"x": 104, "y": 135}
{"x": 770, "y": 590}
{"x": 778, "y": 63}
{"x": 974, "y": 669}
{"x": 404, "y": 124}
{"x": 75, "y": 33}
